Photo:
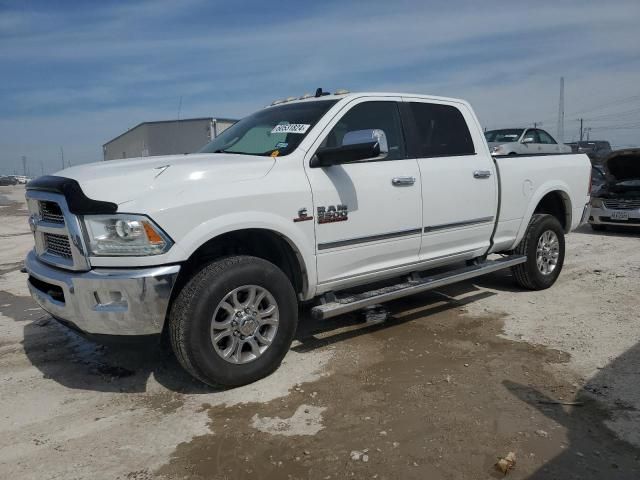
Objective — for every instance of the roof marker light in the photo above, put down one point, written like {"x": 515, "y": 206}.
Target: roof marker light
{"x": 341, "y": 91}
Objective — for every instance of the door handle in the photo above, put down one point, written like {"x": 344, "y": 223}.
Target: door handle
{"x": 482, "y": 174}
{"x": 403, "y": 181}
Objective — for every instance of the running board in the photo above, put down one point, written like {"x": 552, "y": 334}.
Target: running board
{"x": 339, "y": 306}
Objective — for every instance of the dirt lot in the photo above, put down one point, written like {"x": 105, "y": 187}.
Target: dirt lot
{"x": 453, "y": 380}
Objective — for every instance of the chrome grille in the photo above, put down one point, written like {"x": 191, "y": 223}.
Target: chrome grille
{"x": 51, "y": 212}
{"x": 57, "y": 245}
{"x": 622, "y": 204}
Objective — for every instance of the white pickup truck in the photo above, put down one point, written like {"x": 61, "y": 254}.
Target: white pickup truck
{"x": 308, "y": 200}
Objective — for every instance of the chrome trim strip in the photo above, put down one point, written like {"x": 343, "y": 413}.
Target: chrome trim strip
{"x": 446, "y": 226}
{"x": 370, "y": 238}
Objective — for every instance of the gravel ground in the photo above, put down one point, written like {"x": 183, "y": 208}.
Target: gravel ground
{"x": 451, "y": 381}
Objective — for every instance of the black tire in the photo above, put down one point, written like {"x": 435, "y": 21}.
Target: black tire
{"x": 192, "y": 312}
{"x": 527, "y": 274}
{"x": 598, "y": 228}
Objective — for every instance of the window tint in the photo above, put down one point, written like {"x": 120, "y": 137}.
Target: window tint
{"x": 440, "y": 130}
{"x": 531, "y": 137}
{"x": 371, "y": 115}
{"x": 545, "y": 137}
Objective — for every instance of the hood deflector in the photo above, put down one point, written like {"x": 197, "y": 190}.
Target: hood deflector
{"x": 77, "y": 201}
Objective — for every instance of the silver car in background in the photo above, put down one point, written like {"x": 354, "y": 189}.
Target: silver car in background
{"x": 523, "y": 141}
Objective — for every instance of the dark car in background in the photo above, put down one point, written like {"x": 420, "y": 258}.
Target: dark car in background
{"x": 596, "y": 150}
{"x": 8, "y": 180}
{"x": 617, "y": 200}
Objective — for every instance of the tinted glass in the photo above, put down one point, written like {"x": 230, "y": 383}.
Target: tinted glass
{"x": 531, "y": 137}
{"x": 257, "y": 134}
{"x": 371, "y": 115}
{"x": 440, "y": 130}
{"x": 545, "y": 137}
{"x": 507, "y": 135}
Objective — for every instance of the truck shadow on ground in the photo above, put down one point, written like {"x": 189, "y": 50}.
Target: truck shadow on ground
{"x": 79, "y": 363}
{"x": 592, "y": 449}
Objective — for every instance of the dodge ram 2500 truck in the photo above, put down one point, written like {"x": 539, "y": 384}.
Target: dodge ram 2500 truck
{"x": 309, "y": 200}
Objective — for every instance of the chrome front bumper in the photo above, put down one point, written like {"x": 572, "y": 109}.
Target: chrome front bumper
{"x": 104, "y": 301}
{"x": 602, "y": 216}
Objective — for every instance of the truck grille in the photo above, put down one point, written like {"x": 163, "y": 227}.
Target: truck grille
{"x": 51, "y": 212}
{"x": 622, "y": 205}
{"x": 57, "y": 245}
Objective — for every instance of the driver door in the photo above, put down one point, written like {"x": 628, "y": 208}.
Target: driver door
{"x": 368, "y": 214}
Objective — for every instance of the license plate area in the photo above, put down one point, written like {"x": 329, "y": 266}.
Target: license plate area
{"x": 619, "y": 215}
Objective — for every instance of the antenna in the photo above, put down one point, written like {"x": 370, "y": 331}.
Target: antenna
{"x": 179, "y": 107}
{"x": 561, "y": 112}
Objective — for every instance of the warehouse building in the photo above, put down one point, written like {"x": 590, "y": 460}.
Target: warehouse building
{"x": 165, "y": 137}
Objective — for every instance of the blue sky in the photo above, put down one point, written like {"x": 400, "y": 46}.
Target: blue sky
{"x": 75, "y": 74}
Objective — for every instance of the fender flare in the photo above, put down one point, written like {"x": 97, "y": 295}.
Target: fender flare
{"x": 540, "y": 193}
{"x": 302, "y": 246}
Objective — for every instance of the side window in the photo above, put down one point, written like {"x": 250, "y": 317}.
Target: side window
{"x": 441, "y": 130}
{"x": 546, "y": 138}
{"x": 371, "y": 115}
{"x": 531, "y": 136}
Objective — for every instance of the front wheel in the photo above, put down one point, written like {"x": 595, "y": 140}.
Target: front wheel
{"x": 234, "y": 321}
{"x": 543, "y": 245}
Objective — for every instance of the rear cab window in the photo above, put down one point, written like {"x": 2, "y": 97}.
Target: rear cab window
{"x": 437, "y": 130}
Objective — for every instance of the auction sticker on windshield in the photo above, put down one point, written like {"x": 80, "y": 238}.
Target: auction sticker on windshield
{"x": 291, "y": 128}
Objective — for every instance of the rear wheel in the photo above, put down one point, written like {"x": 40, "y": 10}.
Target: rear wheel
{"x": 543, "y": 245}
{"x": 234, "y": 321}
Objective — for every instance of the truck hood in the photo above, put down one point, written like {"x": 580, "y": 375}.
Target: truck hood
{"x": 120, "y": 181}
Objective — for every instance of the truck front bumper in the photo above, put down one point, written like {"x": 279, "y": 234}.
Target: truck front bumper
{"x": 104, "y": 301}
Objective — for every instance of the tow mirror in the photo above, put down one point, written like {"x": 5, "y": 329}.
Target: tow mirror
{"x": 357, "y": 146}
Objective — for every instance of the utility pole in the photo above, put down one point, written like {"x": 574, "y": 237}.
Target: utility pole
{"x": 24, "y": 165}
{"x": 581, "y": 131}
{"x": 62, "y": 156}
{"x": 41, "y": 168}
{"x": 561, "y": 112}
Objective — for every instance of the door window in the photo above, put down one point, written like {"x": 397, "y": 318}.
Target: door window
{"x": 546, "y": 138}
{"x": 371, "y": 115}
{"x": 531, "y": 137}
{"x": 440, "y": 130}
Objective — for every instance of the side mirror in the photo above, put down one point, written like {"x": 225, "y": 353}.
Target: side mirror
{"x": 357, "y": 146}
{"x": 527, "y": 140}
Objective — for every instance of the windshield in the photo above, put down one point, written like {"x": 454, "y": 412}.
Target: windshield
{"x": 503, "y": 136}
{"x": 274, "y": 131}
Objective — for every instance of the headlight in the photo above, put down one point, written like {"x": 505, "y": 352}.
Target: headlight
{"x": 124, "y": 235}
{"x": 496, "y": 149}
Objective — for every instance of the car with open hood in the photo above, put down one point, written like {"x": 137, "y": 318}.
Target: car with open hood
{"x": 617, "y": 200}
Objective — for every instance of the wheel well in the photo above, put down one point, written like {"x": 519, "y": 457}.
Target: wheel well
{"x": 556, "y": 203}
{"x": 261, "y": 243}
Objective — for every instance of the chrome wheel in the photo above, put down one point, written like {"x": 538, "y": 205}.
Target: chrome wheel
{"x": 244, "y": 324}
{"x": 547, "y": 252}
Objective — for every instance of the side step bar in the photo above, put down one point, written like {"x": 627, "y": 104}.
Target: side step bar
{"x": 339, "y": 306}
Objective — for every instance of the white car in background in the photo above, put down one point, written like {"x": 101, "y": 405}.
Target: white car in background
{"x": 523, "y": 141}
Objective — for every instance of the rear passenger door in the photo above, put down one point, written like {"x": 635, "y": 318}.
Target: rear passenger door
{"x": 459, "y": 185}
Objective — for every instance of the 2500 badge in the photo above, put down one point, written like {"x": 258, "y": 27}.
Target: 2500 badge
{"x": 331, "y": 214}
